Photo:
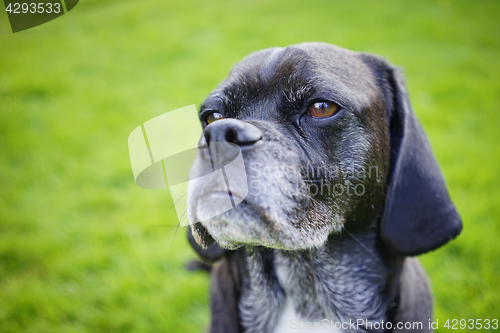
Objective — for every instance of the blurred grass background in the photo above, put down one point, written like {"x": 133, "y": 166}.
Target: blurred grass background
{"x": 83, "y": 249}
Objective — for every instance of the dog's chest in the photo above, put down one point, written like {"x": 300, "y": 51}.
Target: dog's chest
{"x": 290, "y": 293}
{"x": 290, "y": 321}
{"x": 302, "y": 309}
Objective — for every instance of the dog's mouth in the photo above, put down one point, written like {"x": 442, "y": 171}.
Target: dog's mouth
{"x": 277, "y": 209}
{"x": 283, "y": 219}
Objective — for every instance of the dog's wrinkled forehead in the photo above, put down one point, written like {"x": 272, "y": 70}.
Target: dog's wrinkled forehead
{"x": 284, "y": 78}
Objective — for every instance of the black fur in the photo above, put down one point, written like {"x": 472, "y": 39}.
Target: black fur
{"x": 340, "y": 257}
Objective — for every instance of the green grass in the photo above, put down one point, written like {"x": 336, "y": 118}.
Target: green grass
{"x": 83, "y": 249}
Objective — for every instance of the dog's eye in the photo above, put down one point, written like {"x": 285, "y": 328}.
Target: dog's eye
{"x": 322, "y": 109}
{"x": 213, "y": 116}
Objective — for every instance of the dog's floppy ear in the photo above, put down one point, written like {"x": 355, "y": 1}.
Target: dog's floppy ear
{"x": 419, "y": 215}
{"x": 225, "y": 291}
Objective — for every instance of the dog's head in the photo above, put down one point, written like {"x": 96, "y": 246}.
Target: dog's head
{"x": 329, "y": 141}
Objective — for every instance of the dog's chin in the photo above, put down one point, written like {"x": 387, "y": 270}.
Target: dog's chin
{"x": 242, "y": 226}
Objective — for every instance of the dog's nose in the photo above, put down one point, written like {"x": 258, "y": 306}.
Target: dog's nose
{"x": 232, "y": 131}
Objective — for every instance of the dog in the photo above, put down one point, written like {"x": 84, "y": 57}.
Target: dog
{"x": 343, "y": 192}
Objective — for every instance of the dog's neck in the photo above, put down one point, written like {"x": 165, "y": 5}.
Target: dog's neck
{"x": 344, "y": 280}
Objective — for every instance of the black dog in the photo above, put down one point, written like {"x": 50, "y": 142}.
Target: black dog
{"x": 342, "y": 188}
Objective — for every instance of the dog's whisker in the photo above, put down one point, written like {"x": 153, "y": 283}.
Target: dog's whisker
{"x": 162, "y": 225}
{"x": 182, "y": 216}
{"x": 363, "y": 245}
{"x": 229, "y": 252}
{"x": 175, "y": 233}
{"x": 170, "y": 226}
{"x": 182, "y": 196}
{"x": 187, "y": 219}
